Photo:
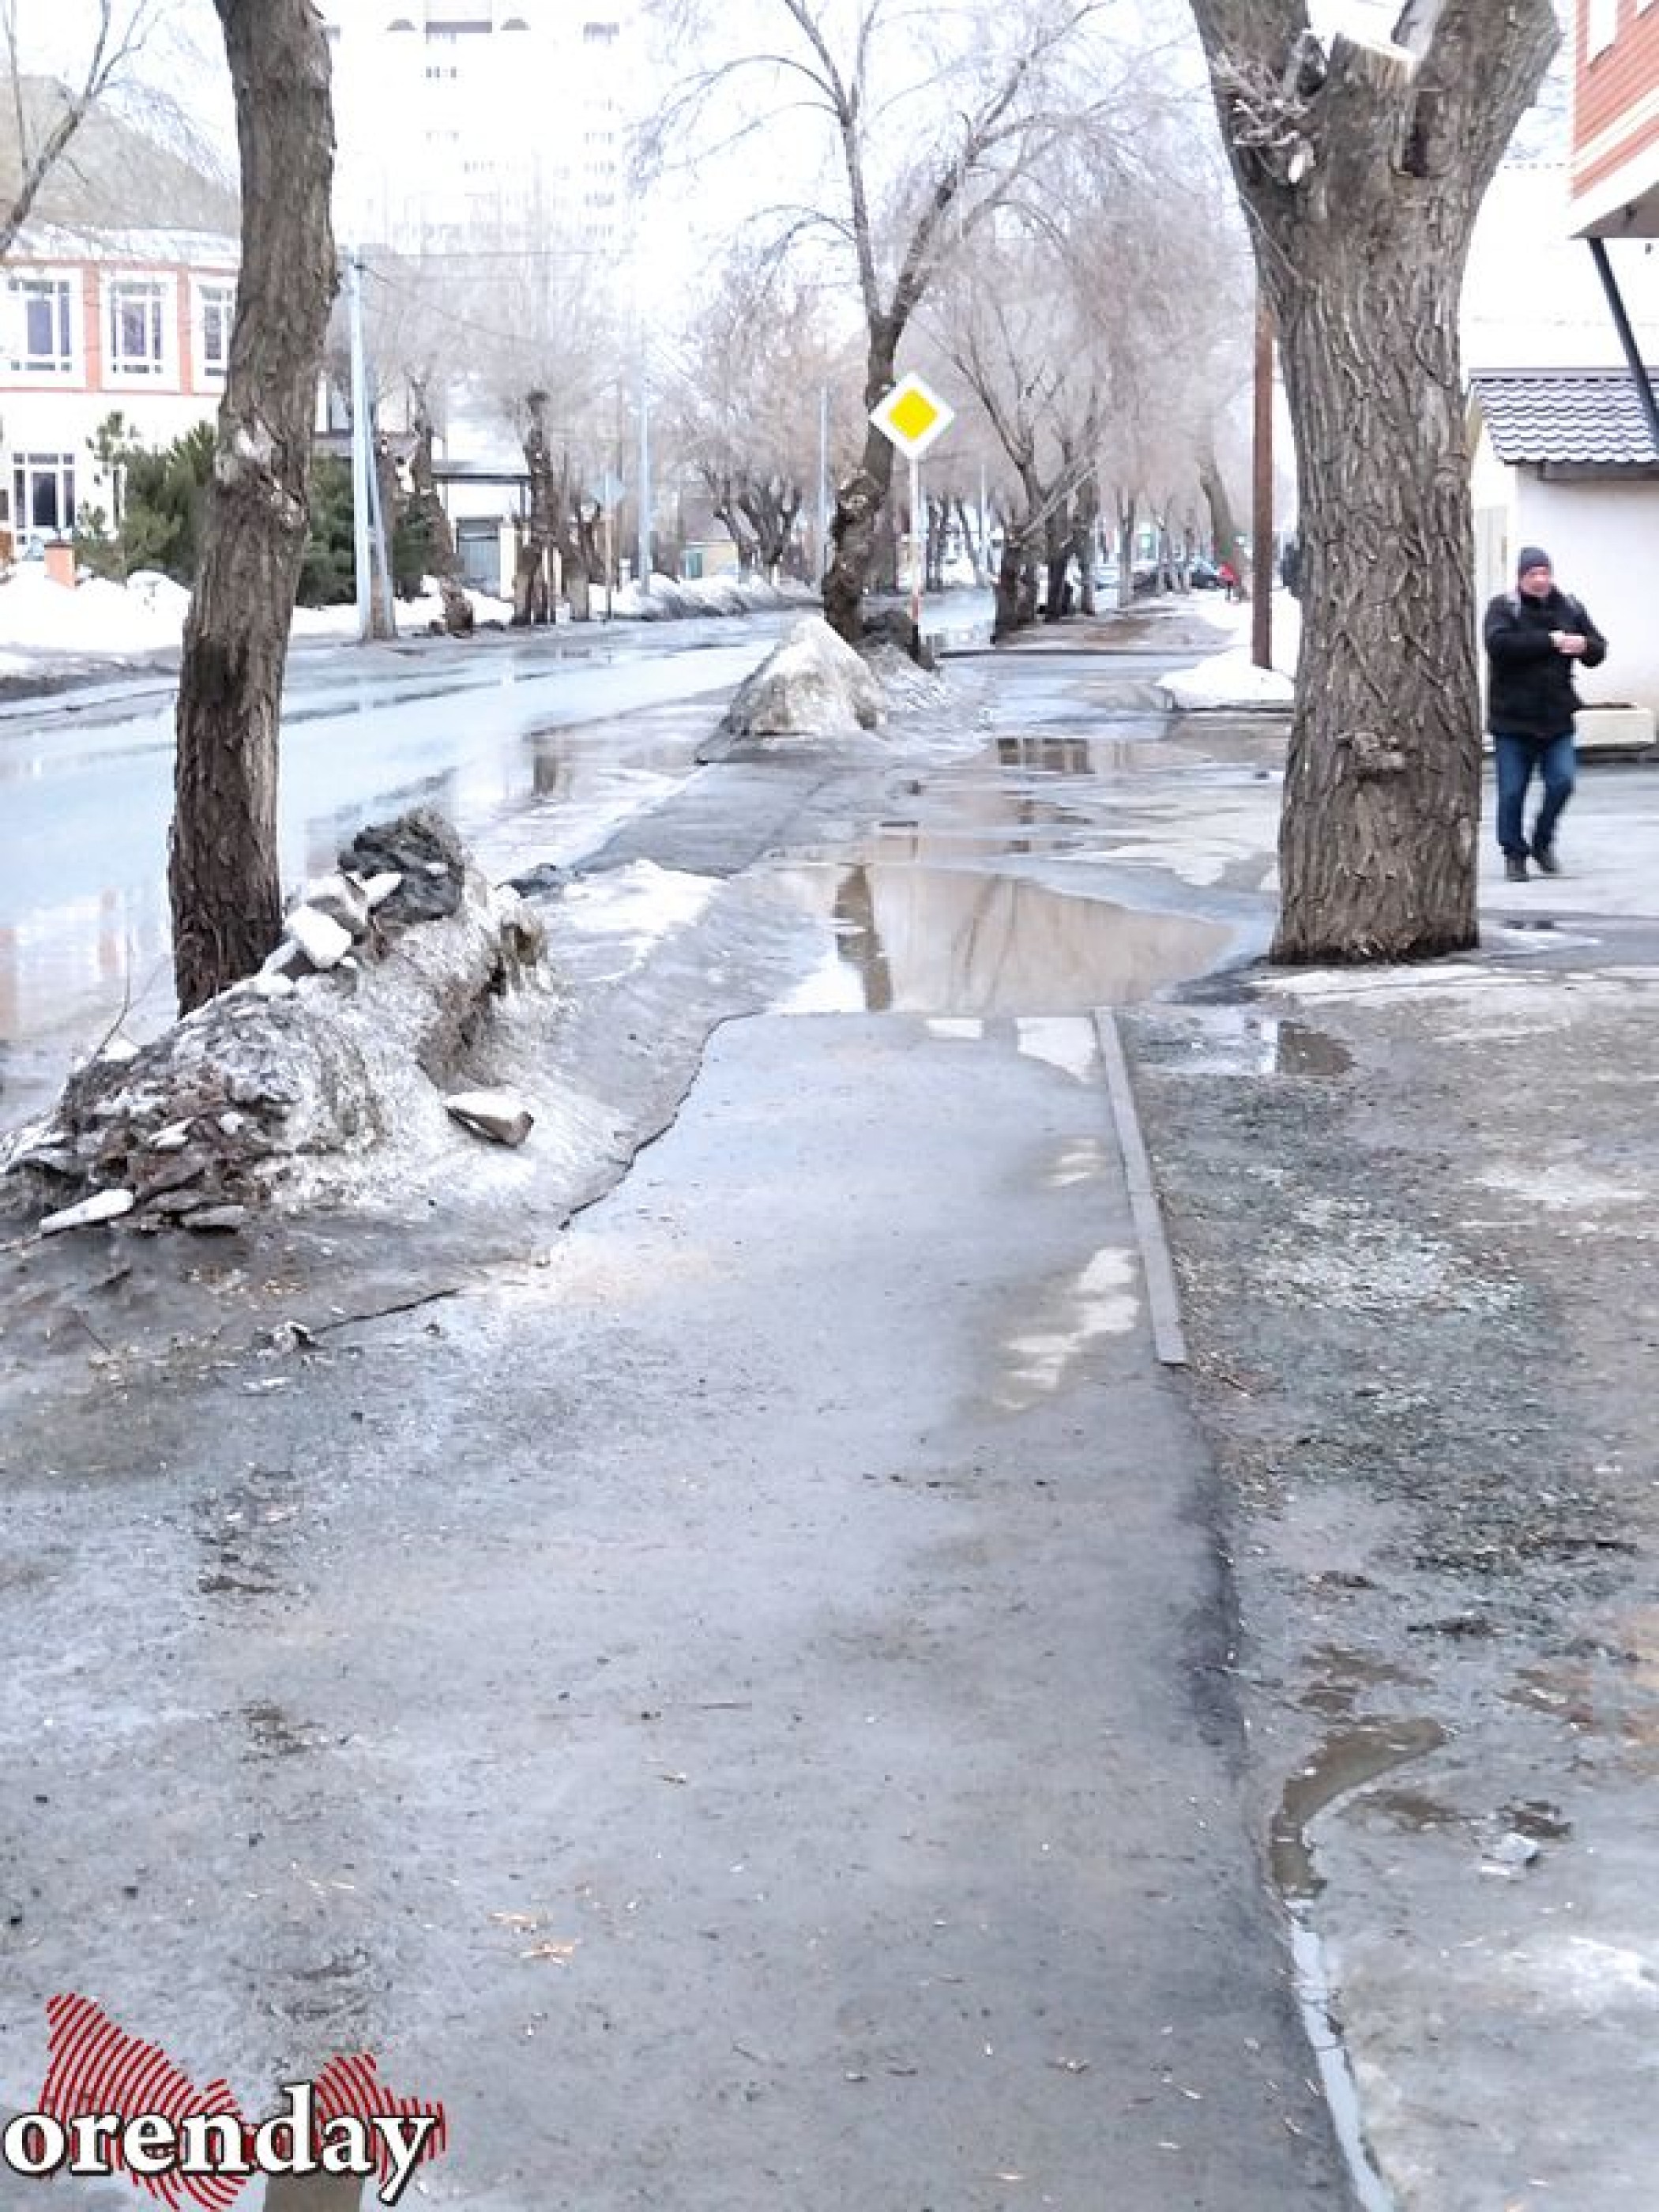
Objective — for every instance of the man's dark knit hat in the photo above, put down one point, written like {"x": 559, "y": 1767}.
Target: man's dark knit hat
{"x": 1532, "y": 557}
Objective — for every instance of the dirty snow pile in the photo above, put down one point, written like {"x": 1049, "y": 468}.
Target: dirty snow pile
{"x": 1230, "y": 679}
{"x": 666, "y": 598}
{"x": 813, "y": 684}
{"x": 369, "y": 1028}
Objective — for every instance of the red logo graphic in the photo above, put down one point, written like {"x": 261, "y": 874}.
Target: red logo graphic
{"x": 114, "y": 2104}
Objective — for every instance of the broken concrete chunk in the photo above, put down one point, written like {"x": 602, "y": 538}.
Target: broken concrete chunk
{"x": 118, "y": 1052}
{"x": 170, "y": 1202}
{"x": 102, "y": 1206}
{"x": 270, "y": 984}
{"x": 210, "y": 1217}
{"x": 497, "y": 1115}
{"x": 323, "y": 941}
{"x": 1513, "y": 1852}
{"x": 423, "y": 850}
{"x": 284, "y": 961}
{"x": 379, "y": 889}
{"x": 342, "y": 898}
{"x": 172, "y": 1139}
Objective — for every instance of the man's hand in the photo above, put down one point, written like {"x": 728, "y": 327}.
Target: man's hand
{"x": 1568, "y": 641}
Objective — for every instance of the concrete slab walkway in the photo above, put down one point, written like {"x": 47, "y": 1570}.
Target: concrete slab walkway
{"x": 893, "y": 1808}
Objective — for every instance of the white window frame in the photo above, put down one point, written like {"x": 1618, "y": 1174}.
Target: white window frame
{"x": 213, "y": 292}
{"x": 159, "y": 365}
{"x": 64, "y": 360}
{"x": 24, "y": 468}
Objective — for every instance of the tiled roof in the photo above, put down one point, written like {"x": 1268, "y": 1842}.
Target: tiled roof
{"x": 1583, "y": 415}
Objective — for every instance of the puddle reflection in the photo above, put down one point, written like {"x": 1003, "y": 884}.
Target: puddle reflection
{"x": 1232, "y": 1041}
{"x": 914, "y": 938}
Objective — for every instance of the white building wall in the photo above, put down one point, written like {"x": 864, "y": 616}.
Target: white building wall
{"x": 1600, "y": 538}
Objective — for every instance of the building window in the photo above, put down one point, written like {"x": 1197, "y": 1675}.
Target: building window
{"x": 218, "y": 309}
{"x": 44, "y": 325}
{"x": 137, "y": 326}
{"x": 1600, "y": 27}
{"x": 43, "y": 492}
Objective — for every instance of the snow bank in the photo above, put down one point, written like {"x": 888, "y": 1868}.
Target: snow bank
{"x": 811, "y": 685}
{"x": 667, "y": 599}
{"x": 1230, "y": 679}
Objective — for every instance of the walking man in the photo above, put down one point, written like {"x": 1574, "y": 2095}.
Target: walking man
{"x": 1535, "y": 636}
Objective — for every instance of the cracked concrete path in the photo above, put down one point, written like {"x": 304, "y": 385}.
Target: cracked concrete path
{"x": 740, "y": 1713}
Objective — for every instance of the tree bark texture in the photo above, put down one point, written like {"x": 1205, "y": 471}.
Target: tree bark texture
{"x": 859, "y": 503}
{"x": 223, "y": 878}
{"x": 427, "y": 507}
{"x": 533, "y": 596}
{"x": 1362, "y": 170}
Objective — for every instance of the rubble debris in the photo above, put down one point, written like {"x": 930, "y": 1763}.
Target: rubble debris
{"x": 328, "y": 1055}
{"x": 102, "y": 1206}
{"x": 497, "y": 1115}
{"x": 545, "y": 880}
{"x": 344, "y": 898}
{"x": 323, "y": 941}
{"x": 423, "y": 849}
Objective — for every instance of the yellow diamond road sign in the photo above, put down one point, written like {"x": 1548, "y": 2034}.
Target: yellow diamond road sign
{"x": 912, "y": 416}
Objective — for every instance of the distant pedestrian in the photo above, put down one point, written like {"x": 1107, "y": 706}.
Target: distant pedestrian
{"x": 1535, "y": 637}
{"x": 1227, "y": 576}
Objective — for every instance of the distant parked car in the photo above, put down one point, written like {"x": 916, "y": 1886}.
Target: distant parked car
{"x": 1203, "y": 573}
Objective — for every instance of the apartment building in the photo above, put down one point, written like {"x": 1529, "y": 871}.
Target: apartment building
{"x": 477, "y": 123}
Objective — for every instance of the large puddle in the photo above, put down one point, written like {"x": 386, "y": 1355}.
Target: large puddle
{"x": 910, "y": 938}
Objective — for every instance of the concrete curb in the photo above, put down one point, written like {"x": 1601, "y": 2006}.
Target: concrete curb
{"x": 1162, "y": 1298}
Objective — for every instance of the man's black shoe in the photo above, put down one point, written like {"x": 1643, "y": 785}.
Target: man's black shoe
{"x": 1545, "y": 856}
{"x": 1515, "y": 868}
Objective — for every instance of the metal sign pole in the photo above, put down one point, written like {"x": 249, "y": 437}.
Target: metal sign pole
{"x": 915, "y": 544}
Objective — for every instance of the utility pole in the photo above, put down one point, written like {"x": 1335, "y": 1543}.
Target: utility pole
{"x": 1262, "y": 498}
{"x": 363, "y": 460}
{"x": 645, "y": 462}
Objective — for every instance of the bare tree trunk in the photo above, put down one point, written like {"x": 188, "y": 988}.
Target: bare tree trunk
{"x": 224, "y": 879}
{"x": 428, "y": 508}
{"x": 382, "y": 623}
{"x": 1223, "y": 526}
{"x": 1009, "y": 617}
{"x": 1125, "y": 549}
{"x": 532, "y": 596}
{"x": 1363, "y": 168}
{"x": 1086, "y": 518}
{"x": 859, "y": 503}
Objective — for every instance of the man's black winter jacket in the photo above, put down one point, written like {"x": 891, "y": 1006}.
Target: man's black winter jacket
{"x": 1529, "y": 692}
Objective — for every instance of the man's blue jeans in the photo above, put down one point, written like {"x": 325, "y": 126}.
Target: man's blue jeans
{"x": 1517, "y": 758}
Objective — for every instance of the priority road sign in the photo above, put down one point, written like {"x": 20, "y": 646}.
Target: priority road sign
{"x": 912, "y": 417}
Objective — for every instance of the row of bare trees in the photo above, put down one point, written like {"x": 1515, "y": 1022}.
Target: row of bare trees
{"x": 1360, "y": 164}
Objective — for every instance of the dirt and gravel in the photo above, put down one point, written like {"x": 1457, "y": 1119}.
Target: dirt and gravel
{"x": 1413, "y": 1216}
